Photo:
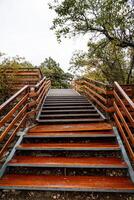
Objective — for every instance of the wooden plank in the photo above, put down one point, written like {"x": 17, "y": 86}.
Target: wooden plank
{"x": 122, "y": 92}
{"x": 12, "y": 98}
{"x": 11, "y": 125}
{"x": 68, "y": 146}
{"x": 70, "y": 183}
{"x": 99, "y": 89}
{"x": 124, "y": 123}
{"x": 96, "y": 94}
{"x": 78, "y": 115}
{"x": 12, "y": 136}
{"x": 72, "y": 127}
{"x": 124, "y": 109}
{"x": 71, "y": 134}
{"x": 13, "y": 110}
{"x": 128, "y": 146}
{"x": 67, "y": 162}
{"x": 97, "y": 101}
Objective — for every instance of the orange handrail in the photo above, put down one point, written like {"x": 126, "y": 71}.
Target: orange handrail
{"x": 100, "y": 93}
{"x": 18, "y": 109}
{"x": 124, "y": 117}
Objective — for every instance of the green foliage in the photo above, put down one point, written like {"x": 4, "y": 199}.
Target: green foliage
{"x": 58, "y": 77}
{"x": 7, "y": 78}
{"x": 110, "y": 27}
{"x": 103, "y": 61}
{"x": 113, "y": 19}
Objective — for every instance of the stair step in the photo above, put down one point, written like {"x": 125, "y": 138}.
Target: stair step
{"x": 70, "y": 134}
{"x": 92, "y": 162}
{"x": 67, "y": 101}
{"x": 67, "y": 104}
{"x": 78, "y": 120}
{"x": 69, "y": 111}
{"x": 102, "y": 126}
{"x": 66, "y": 97}
{"x": 68, "y": 146}
{"x": 67, "y": 107}
{"x": 67, "y": 183}
{"x": 69, "y": 116}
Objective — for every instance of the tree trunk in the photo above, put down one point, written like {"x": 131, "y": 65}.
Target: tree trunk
{"x": 131, "y": 67}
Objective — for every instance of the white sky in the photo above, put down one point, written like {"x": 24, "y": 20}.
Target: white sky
{"x": 25, "y": 31}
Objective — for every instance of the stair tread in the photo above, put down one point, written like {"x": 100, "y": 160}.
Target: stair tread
{"x": 79, "y": 114}
{"x": 68, "y": 162}
{"x": 76, "y": 183}
{"x": 68, "y": 106}
{"x": 71, "y": 134}
{"x": 69, "y": 115}
{"x": 76, "y": 120}
{"x": 66, "y": 101}
{"x": 75, "y": 110}
{"x": 72, "y": 127}
{"x": 93, "y": 145}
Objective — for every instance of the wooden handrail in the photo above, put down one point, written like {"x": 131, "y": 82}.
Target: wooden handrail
{"x": 124, "y": 107}
{"x": 113, "y": 99}
{"x": 12, "y": 98}
{"x": 23, "y": 103}
{"x": 40, "y": 83}
{"x": 97, "y": 82}
{"x": 124, "y": 95}
{"x": 98, "y": 92}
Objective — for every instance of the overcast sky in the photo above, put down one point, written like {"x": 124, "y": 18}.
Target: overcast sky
{"x": 25, "y": 31}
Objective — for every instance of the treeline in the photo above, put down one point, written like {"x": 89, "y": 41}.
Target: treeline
{"x": 50, "y": 68}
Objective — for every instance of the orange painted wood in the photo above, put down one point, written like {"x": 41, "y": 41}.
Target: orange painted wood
{"x": 125, "y": 124}
{"x": 12, "y": 136}
{"x": 72, "y": 127}
{"x": 13, "y": 110}
{"x": 95, "y": 93}
{"x": 70, "y": 133}
{"x": 124, "y": 109}
{"x": 125, "y": 139}
{"x": 99, "y": 89}
{"x": 124, "y": 95}
{"x": 74, "y": 146}
{"x": 14, "y": 121}
{"x": 67, "y": 182}
{"x": 12, "y": 98}
{"x": 96, "y": 100}
{"x": 63, "y": 161}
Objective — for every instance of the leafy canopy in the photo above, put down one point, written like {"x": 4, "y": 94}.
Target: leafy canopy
{"x": 51, "y": 69}
{"x": 106, "y": 64}
{"x": 111, "y": 19}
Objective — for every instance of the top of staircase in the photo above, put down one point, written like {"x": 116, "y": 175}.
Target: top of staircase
{"x": 63, "y": 92}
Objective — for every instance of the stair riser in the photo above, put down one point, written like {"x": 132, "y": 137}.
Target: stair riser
{"x": 67, "y": 101}
{"x": 68, "y": 149}
{"x": 66, "y": 104}
{"x": 71, "y": 136}
{"x": 68, "y": 111}
{"x": 66, "y": 107}
{"x": 70, "y": 166}
{"x": 112, "y": 140}
{"x": 46, "y": 117}
{"x": 71, "y": 171}
{"x": 68, "y": 121}
{"x": 77, "y": 154}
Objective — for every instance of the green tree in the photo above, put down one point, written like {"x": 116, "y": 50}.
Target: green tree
{"x": 6, "y": 78}
{"x": 51, "y": 69}
{"x": 112, "y": 20}
{"x": 104, "y": 62}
